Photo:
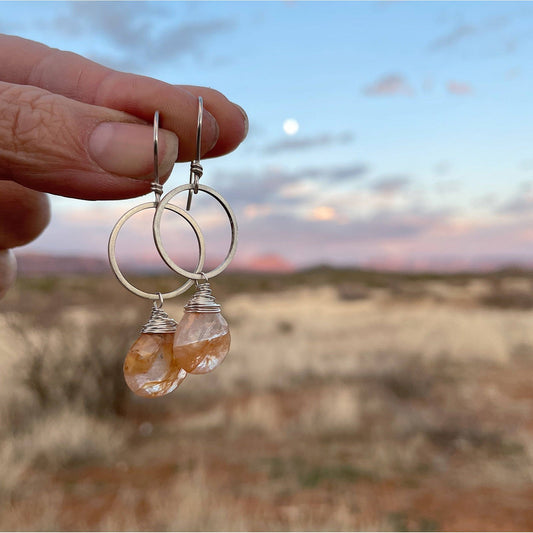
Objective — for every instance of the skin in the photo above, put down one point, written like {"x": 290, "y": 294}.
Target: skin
{"x": 72, "y": 127}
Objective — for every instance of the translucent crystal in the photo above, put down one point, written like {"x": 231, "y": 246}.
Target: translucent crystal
{"x": 201, "y": 342}
{"x": 149, "y": 368}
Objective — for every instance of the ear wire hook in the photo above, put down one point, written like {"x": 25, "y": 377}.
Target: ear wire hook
{"x": 196, "y": 168}
{"x": 156, "y": 186}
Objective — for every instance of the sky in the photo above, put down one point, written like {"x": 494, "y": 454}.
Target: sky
{"x": 394, "y": 134}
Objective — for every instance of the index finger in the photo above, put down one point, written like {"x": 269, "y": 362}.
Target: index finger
{"x": 225, "y": 124}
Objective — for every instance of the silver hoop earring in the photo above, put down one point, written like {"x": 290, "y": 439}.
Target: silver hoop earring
{"x": 166, "y": 352}
{"x": 202, "y": 339}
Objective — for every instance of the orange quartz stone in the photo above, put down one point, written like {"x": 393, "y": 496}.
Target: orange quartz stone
{"x": 150, "y": 369}
{"x": 201, "y": 342}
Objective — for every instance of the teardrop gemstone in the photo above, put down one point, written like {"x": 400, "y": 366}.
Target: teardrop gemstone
{"x": 150, "y": 370}
{"x": 201, "y": 342}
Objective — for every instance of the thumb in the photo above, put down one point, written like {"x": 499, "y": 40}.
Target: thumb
{"x": 53, "y": 144}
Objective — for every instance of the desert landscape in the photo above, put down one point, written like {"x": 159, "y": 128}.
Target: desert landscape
{"x": 350, "y": 400}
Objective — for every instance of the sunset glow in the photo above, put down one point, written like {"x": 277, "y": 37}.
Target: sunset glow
{"x": 418, "y": 123}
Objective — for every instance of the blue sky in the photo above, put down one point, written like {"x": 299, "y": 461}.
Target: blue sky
{"x": 415, "y": 139}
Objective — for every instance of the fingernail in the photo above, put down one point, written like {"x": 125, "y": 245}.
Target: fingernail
{"x": 210, "y": 132}
{"x": 245, "y": 118}
{"x": 128, "y": 149}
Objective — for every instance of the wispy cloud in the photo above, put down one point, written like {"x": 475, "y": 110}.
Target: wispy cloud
{"x": 448, "y": 186}
{"x": 442, "y": 167}
{"x": 324, "y": 239}
{"x": 459, "y": 88}
{"x": 521, "y": 203}
{"x": 458, "y": 34}
{"x": 347, "y": 172}
{"x": 279, "y": 186}
{"x": 304, "y": 143}
{"x": 502, "y": 31}
{"x": 322, "y": 232}
{"x": 388, "y": 85}
{"x": 391, "y": 184}
{"x": 140, "y": 33}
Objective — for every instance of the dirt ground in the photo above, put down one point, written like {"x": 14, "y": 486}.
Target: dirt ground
{"x": 406, "y": 407}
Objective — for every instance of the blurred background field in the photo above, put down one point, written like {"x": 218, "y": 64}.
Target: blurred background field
{"x": 351, "y": 400}
{"x": 383, "y": 135}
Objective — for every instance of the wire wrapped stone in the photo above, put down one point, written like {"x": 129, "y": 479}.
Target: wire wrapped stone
{"x": 159, "y": 322}
{"x": 202, "y": 300}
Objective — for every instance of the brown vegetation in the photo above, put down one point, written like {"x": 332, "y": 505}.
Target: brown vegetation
{"x": 349, "y": 401}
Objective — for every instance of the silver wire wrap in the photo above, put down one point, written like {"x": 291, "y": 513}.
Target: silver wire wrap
{"x": 196, "y": 168}
{"x": 202, "y": 300}
{"x": 156, "y": 186}
{"x": 159, "y": 322}
{"x": 197, "y": 171}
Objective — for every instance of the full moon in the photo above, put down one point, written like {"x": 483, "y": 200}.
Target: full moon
{"x": 291, "y": 126}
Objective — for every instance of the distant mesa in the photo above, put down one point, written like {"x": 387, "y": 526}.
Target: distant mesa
{"x": 33, "y": 264}
{"x": 39, "y": 264}
{"x": 269, "y": 263}
{"x": 445, "y": 264}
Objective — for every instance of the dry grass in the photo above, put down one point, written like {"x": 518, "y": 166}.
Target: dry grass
{"x": 358, "y": 405}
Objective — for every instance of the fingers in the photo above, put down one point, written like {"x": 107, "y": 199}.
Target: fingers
{"x": 233, "y": 126}
{"x": 54, "y": 144}
{"x": 8, "y": 270}
{"x": 24, "y": 214}
{"x": 29, "y": 63}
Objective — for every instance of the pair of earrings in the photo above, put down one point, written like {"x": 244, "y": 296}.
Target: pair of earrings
{"x": 166, "y": 352}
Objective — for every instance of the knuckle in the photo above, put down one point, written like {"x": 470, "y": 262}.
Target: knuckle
{"x": 25, "y": 110}
{"x": 30, "y": 119}
{"x": 214, "y": 93}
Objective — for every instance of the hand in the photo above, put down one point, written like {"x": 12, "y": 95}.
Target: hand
{"x": 72, "y": 127}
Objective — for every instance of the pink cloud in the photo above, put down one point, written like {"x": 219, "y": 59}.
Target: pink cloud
{"x": 279, "y": 239}
{"x": 459, "y": 88}
{"x": 388, "y": 85}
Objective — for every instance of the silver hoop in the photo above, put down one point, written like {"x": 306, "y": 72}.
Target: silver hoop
{"x": 156, "y": 147}
{"x": 196, "y": 167}
{"x": 199, "y": 123}
{"x": 156, "y": 186}
{"x": 197, "y": 275}
{"x": 113, "y": 259}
